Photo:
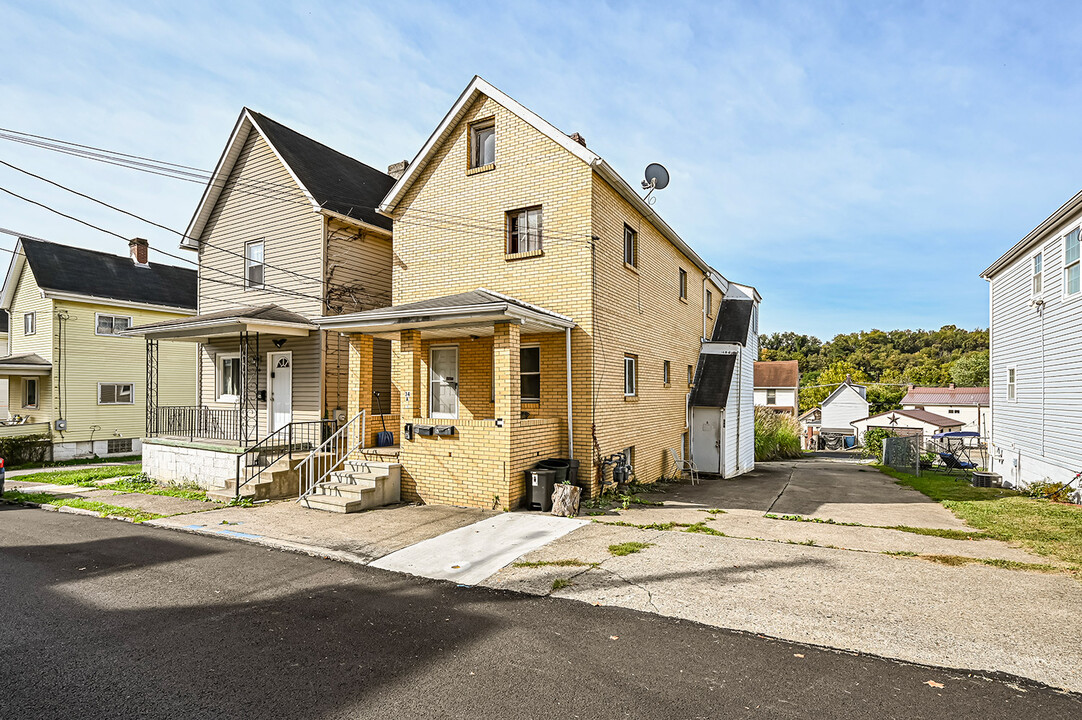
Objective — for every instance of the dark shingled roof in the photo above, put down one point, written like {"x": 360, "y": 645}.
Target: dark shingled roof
{"x": 64, "y": 268}
{"x": 733, "y": 321}
{"x": 25, "y": 359}
{"x": 263, "y": 313}
{"x": 336, "y": 181}
{"x": 713, "y": 377}
{"x": 777, "y": 374}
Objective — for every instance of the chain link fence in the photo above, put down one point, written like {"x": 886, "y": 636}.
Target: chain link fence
{"x": 903, "y": 453}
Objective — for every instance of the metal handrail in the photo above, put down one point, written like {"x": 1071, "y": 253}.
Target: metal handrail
{"x": 283, "y": 442}
{"x": 331, "y": 454}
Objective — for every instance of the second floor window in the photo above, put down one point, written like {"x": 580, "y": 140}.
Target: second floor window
{"x": 111, "y": 324}
{"x": 30, "y": 323}
{"x": 1012, "y": 391}
{"x": 253, "y": 264}
{"x": 771, "y": 397}
{"x": 482, "y": 143}
{"x": 1037, "y": 274}
{"x": 708, "y": 303}
{"x": 630, "y": 375}
{"x": 524, "y": 230}
{"x": 631, "y": 246}
{"x": 1071, "y": 263}
{"x": 683, "y": 284}
{"x": 665, "y": 372}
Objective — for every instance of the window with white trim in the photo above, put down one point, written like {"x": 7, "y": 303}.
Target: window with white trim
{"x": 665, "y": 372}
{"x": 30, "y": 323}
{"x": 771, "y": 397}
{"x": 1037, "y": 261}
{"x": 115, "y": 393}
{"x": 524, "y": 230}
{"x": 228, "y": 379}
{"x": 1072, "y": 268}
{"x": 691, "y": 375}
{"x": 529, "y": 370}
{"x": 253, "y": 264}
{"x": 631, "y": 246}
{"x": 111, "y": 324}
{"x": 30, "y": 392}
{"x": 1012, "y": 384}
{"x": 482, "y": 143}
{"x": 708, "y": 303}
{"x": 631, "y": 380}
{"x": 683, "y": 284}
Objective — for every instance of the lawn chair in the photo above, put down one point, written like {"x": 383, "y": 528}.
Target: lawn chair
{"x": 683, "y": 466}
{"x": 951, "y": 463}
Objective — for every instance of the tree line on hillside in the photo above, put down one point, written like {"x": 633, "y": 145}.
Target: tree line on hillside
{"x": 887, "y": 361}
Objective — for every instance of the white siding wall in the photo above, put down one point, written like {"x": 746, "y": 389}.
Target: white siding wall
{"x": 1037, "y": 433}
{"x": 747, "y": 399}
{"x": 966, "y": 414}
{"x": 784, "y": 397}
{"x": 843, "y": 409}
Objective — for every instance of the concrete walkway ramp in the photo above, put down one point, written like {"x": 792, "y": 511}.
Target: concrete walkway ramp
{"x": 471, "y": 554}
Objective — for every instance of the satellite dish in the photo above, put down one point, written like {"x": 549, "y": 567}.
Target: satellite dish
{"x": 657, "y": 177}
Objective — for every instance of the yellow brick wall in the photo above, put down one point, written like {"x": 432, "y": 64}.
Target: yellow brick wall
{"x": 639, "y": 312}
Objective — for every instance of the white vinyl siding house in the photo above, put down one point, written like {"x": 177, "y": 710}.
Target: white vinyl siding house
{"x": 1036, "y": 354}
{"x": 847, "y": 404}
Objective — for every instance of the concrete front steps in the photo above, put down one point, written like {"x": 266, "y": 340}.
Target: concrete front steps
{"x": 360, "y": 485}
{"x": 280, "y": 480}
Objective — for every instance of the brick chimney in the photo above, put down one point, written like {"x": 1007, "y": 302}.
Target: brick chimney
{"x": 139, "y": 249}
{"x": 398, "y": 169}
{"x": 578, "y": 138}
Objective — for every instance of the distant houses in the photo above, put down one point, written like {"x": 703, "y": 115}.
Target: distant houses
{"x": 968, "y": 406}
{"x": 777, "y": 385}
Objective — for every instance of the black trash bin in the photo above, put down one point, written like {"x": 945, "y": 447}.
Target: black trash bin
{"x": 540, "y": 482}
{"x": 569, "y": 464}
{"x": 560, "y": 466}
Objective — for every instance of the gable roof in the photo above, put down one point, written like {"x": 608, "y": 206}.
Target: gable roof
{"x": 777, "y": 374}
{"x": 98, "y": 275}
{"x": 921, "y": 415}
{"x": 331, "y": 181}
{"x": 1035, "y": 236}
{"x": 847, "y": 383}
{"x": 946, "y": 396}
{"x": 478, "y": 87}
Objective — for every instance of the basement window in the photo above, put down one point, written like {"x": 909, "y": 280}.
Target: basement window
{"x": 118, "y": 445}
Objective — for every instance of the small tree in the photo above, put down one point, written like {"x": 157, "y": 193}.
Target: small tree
{"x": 873, "y": 441}
{"x": 970, "y": 370}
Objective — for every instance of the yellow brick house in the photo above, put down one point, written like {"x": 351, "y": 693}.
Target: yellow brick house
{"x": 71, "y": 372}
{"x": 540, "y": 308}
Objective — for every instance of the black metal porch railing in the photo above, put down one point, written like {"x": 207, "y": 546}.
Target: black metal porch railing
{"x": 296, "y": 437}
{"x": 194, "y": 422}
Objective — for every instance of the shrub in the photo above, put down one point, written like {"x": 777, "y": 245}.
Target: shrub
{"x": 873, "y": 441}
{"x": 777, "y": 436}
{"x": 25, "y": 449}
{"x": 1057, "y": 492}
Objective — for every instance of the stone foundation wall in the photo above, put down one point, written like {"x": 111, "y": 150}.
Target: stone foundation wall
{"x": 178, "y": 463}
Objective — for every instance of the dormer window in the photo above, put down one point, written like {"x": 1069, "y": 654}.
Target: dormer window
{"x": 253, "y": 264}
{"x": 482, "y": 143}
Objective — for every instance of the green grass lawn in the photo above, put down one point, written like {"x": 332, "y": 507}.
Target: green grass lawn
{"x": 149, "y": 487}
{"x": 76, "y": 461}
{"x": 82, "y": 478}
{"x": 94, "y": 505}
{"x": 1045, "y": 527}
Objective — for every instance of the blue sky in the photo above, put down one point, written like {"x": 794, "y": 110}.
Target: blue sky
{"x": 859, "y": 163}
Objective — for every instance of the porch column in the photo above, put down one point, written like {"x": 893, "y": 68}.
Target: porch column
{"x": 360, "y": 374}
{"x": 505, "y": 350}
{"x": 407, "y": 368}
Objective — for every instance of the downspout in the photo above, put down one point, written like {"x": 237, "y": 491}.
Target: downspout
{"x": 705, "y": 278}
{"x": 570, "y": 418}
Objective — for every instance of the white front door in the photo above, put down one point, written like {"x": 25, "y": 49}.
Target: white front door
{"x": 706, "y": 439}
{"x": 280, "y": 385}
{"x": 443, "y": 386}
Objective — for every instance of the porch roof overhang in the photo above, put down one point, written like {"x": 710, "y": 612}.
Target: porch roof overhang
{"x": 25, "y": 364}
{"x": 268, "y": 319}
{"x": 471, "y": 313}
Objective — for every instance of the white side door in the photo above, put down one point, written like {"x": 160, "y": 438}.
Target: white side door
{"x": 280, "y": 382}
{"x": 443, "y": 382}
{"x": 706, "y": 439}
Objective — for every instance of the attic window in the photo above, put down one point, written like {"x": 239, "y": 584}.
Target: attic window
{"x": 253, "y": 264}
{"x": 482, "y": 143}
{"x": 30, "y": 324}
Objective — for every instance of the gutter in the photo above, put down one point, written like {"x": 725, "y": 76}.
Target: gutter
{"x": 1034, "y": 235}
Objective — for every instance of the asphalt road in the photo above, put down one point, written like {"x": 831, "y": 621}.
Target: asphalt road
{"x": 102, "y": 619}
